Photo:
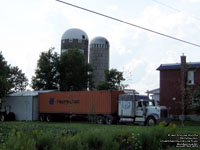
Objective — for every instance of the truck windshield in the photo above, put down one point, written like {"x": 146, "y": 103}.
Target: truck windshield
{"x": 148, "y": 103}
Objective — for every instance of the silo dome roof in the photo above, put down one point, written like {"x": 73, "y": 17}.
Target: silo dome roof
{"x": 99, "y": 40}
{"x": 75, "y": 33}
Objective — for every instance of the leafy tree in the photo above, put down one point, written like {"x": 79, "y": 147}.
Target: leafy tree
{"x": 5, "y": 85}
{"x": 75, "y": 73}
{"x": 113, "y": 80}
{"x": 18, "y": 80}
{"x": 11, "y": 78}
{"x": 46, "y": 74}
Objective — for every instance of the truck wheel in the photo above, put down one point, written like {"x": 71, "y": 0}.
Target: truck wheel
{"x": 99, "y": 120}
{"x": 2, "y": 117}
{"x": 151, "y": 121}
{"x": 109, "y": 120}
{"x": 11, "y": 116}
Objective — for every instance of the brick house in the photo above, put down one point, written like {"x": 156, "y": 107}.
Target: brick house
{"x": 177, "y": 83}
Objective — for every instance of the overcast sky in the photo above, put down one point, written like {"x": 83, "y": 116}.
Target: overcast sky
{"x": 28, "y": 28}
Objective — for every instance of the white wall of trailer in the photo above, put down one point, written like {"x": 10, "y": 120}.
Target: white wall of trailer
{"x": 24, "y": 107}
{"x": 23, "y": 104}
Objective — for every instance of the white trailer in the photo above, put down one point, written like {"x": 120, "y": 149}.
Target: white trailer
{"x": 21, "y": 106}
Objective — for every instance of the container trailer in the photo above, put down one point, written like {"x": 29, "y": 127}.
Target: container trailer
{"x": 106, "y": 106}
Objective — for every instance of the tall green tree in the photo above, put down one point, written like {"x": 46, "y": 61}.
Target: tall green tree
{"x": 18, "y": 80}
{"x": 5, "y": 85}
{"x": 11, "y": 78}
{"x": 75, "y": 73}
{"x": 113, "y": 80}
{"x": 46, "y": 74}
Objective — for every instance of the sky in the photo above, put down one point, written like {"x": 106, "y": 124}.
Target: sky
{"x": 28, "y": 28}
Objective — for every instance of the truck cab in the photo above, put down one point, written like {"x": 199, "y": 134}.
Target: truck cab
{"x": 140, "y": 109}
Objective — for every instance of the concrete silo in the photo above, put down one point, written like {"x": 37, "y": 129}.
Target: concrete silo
{"x": 75, "y": 38}
{"x": 99, "y": 57}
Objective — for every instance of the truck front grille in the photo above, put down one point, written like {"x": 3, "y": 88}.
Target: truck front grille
{"x": 163, "y": 113}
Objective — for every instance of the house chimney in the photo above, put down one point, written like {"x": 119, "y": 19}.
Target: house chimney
{"x": 183, "y": 61}
{"x": 183, "y": 71}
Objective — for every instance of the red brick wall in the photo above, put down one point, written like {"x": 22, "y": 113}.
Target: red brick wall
{"x": 170, "y": 87}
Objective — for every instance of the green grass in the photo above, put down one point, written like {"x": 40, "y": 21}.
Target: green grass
{"x": 56, "y": 127}
{"x": 188, "y": 123}
{"x": 90, "y": 133}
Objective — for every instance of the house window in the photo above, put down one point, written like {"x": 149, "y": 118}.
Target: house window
{"x": 70, "y": 40}
{"x": 190, "y": 78}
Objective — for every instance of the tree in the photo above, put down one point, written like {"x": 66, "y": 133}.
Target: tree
{"x": 113, "y": 80}
{"x": 75, "y": 73}
{"x": 5, "y": 85}
{"x": 11, "y": 78}
{"x": 18, "y": 80}
{"x": 46, "y": 74}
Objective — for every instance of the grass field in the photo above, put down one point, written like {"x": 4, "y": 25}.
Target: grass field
{"x": 41, "y": 135}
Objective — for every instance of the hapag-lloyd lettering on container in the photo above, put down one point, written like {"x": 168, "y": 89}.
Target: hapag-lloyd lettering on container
{"x": 68, "y": 101}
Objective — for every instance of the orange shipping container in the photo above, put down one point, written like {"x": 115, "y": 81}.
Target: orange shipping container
{"x": 80, "y": 102}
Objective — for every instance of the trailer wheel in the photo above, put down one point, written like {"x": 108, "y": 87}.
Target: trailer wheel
{"x": 151, "y": 121}
{"x": 2, "y": 117}
{"x": 99, "y": 120}
{"x": 109, "y": 120}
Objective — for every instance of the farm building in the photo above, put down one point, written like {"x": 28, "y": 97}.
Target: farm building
{"x": 23, "y": 104}
{"x": 177, "y": 82}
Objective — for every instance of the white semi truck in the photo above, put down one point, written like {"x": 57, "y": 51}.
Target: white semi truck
{"x": 140, "y": 109}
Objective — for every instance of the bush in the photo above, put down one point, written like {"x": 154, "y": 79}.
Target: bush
{"x": 93, "y": 139}
{"x": 68, "y": 142}
{"x": 96, "y": 139}
{"x": 19, "y": 141}
{"x": 44, "y": 141}
{"x": 152, "y": 138}
{"x": 125, "y": 141}
{"x": 110, "y": 144}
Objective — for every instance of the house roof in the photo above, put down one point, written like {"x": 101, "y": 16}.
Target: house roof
{"x": 190, "y": 65}
{"x": 30, "y": 93}
{"x": 154, "y": 91}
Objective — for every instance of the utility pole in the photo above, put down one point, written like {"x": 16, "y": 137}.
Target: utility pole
{"x": 183, "y": 87}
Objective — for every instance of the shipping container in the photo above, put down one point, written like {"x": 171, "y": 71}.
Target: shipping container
{"x": 80, "y": 102}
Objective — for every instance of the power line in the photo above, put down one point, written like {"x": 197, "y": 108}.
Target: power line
{"x": 137, "y": 26}
{"x": 166, "y": 5}
{"x": 177, "y": 10}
